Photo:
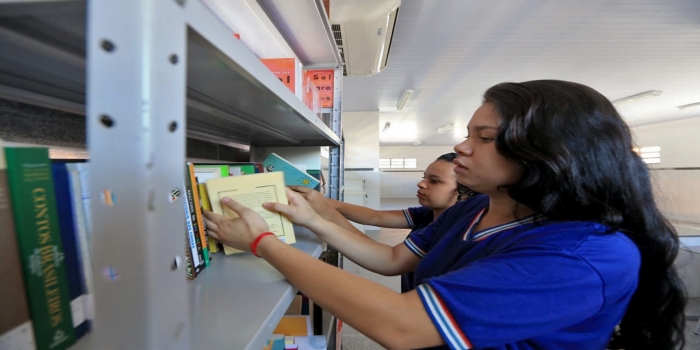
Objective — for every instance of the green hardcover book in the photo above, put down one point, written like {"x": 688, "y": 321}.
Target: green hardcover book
{"x": 36, "y": 223}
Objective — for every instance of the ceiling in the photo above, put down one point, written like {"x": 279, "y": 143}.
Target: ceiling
{"x": 450, "y": 51}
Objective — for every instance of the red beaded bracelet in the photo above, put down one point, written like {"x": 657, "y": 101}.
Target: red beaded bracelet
{"x": 254, "y": 245}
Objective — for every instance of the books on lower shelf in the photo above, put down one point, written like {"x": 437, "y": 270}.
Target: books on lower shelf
{"x": 295, "y": 332}
{"x": 252, "y": 191}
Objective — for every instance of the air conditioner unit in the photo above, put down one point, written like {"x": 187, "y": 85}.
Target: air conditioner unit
{"x": 363, "y": 31}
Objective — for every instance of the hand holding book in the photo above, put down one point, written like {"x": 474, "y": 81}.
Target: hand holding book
{"x": 316, "y": 200}
{"x": 240, "y": 232}
{"x": 237, "y": 232}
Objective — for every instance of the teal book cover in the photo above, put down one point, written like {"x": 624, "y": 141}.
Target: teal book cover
{"x": 292, "y": 175}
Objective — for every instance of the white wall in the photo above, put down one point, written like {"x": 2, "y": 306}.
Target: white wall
{"x": 677, "y": 185}
{"x": 361, "y": 130}
{"x": 396, "y": 184}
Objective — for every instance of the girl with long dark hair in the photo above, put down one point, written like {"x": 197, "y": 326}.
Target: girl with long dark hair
{"x": 565, "y": 246}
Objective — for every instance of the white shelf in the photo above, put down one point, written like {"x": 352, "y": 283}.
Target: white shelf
{"x": 84, "y": 343}
{"x": 238, "y": 301}
{"x": 231, "y": 95}
{"x": 305, "y": 27}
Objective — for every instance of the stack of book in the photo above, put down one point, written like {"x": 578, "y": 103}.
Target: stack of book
{"x": 46, "y": 296}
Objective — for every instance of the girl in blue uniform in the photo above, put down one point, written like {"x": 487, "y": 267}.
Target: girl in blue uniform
{"x": 437, "y": 191}
{"x": 565, "y": 250}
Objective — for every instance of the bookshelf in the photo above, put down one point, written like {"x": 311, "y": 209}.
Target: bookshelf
{"x": 258, "y": 291}
{"x": 146, "y": 74}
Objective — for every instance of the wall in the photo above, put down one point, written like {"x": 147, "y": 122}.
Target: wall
{"x": 677, "y": 186}
{"x": 677, "y": 178}
{"x": 402, "y": 184}
{"x": 361, "y": 133}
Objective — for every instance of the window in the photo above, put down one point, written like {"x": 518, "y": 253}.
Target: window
{"x": 650, "y": 155}
{"x": 398, "y": 163}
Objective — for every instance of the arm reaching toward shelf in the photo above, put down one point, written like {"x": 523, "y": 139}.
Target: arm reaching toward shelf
{"x": 372, "y": 255}
{"x": 392, "y": 319}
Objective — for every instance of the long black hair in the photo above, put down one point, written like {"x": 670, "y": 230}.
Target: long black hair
{"x": 463, "y": 192}
{"x": 576, "y": 154}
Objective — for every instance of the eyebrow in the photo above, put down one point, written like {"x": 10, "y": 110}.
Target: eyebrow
{"x": 482, "y": 127}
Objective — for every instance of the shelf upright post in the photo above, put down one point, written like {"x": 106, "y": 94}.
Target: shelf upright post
{"x": 336, "y": 159}
{"x": 136, "y": 85}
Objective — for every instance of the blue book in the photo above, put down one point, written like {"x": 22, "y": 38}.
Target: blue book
{"x": 293, "y": 176}
{"x": 71, "y": 250}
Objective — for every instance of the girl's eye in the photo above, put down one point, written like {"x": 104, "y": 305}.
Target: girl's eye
{"x": 487, "y": 139}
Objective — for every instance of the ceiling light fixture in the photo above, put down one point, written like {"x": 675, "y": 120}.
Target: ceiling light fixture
{"x": 637, "y": 97}
{"x": 445, "y": 128}
{"x": 386, "y": 127}
{"x": 689, "y": 105}
{"x": 404, "y": 98}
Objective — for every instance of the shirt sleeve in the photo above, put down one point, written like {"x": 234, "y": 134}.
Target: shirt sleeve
{"x": 512, "y": 296}
{"x": 418, "y": 217}
{"x": 420, "y": 241}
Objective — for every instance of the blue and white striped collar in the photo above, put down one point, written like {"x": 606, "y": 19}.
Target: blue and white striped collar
{"x": 481, "y": 235}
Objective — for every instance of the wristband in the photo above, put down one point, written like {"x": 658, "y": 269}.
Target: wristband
{"x": 254, "y": 245}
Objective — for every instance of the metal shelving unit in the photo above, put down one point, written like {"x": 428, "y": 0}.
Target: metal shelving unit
{"x": 145, "y": 74}
{"x": 246, "y": 286}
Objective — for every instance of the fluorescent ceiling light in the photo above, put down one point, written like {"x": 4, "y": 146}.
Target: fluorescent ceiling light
{"x": 404, "y": 98}
{"x": 637, "y": 97}
{"x": 445, "y": 128}
{"x": 386, "y": 127}
{"x": 690, "y": 105}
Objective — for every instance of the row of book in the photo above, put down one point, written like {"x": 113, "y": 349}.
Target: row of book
{"x": 45, "y": 226}
{"x": 45, "y": 296}
{"x": 207, "y": 184}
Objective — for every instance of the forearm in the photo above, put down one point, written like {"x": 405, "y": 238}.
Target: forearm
{"x": 356, "y": 213}
{"x": 389, "y": 318}
{"x": 370, "y": 254}
{"x": 337, "y": 218}
{"x": 368, "y": 216}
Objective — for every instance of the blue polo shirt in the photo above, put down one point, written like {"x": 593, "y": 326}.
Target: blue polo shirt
{"x": 528, "y": 284}
{"x": 417, "y": 218}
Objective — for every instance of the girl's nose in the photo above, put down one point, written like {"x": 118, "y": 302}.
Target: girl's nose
{"x": 463, "y": 148}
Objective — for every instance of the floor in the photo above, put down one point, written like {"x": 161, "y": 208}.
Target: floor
{"x": 353, "y": 340}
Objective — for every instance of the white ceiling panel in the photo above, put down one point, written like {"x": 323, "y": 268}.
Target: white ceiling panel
{"x": 450, "y": 51}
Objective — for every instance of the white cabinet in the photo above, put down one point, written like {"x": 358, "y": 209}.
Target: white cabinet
{"x": 354, "y": 185}
{"x": 357, "y": 197}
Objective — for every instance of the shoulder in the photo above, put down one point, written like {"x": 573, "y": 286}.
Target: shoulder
{"x": 611, "y": 253}
{"x": 418, "y": 217}
{"x": 576, "y": 236}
